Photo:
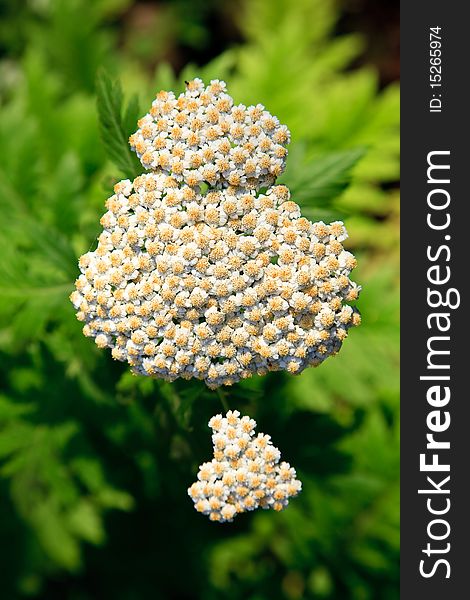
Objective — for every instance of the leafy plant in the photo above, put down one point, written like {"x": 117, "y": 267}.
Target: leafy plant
{"x": 94, "y": 462}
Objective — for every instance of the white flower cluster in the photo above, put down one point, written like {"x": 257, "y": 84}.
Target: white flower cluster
{"x": 216, "y": 286}
{"x": 215, "y": 283}
{"x": 201, "y": 136}
{"x": 244, "y": 474}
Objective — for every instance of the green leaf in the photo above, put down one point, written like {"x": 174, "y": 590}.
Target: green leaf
{"x": 318, "y": 183}
{"x": 10, "y": 410}
{"x": 85, "y": 522}
{"x": 56, "y": 539}
{"x": 14, "y": 438}
{"x": 113, "y": 124}
{"x": 131, "y": 114}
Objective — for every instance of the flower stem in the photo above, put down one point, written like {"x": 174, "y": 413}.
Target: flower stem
{"x": 223, "y": 399}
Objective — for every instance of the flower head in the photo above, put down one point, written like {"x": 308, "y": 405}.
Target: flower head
{"x": 216, "y": 286}
{"x": 199, "y": 274}
{"x": 245, "y": 473}
{"x": 201, "y": 136}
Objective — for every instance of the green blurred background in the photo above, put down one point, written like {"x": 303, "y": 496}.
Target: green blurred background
{"x": 95, "y": 463}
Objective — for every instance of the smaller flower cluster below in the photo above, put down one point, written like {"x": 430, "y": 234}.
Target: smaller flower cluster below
{"x": 245, "y": 473}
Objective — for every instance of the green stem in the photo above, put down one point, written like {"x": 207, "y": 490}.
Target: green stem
{"x": 222, "y": 398}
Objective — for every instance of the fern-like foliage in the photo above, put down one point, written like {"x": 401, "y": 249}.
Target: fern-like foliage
{"x": 94, "y": 462}
{"x": 117, "y": 124}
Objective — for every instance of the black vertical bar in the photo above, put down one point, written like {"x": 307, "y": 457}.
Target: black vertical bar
{"x": 423, "y": 131}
